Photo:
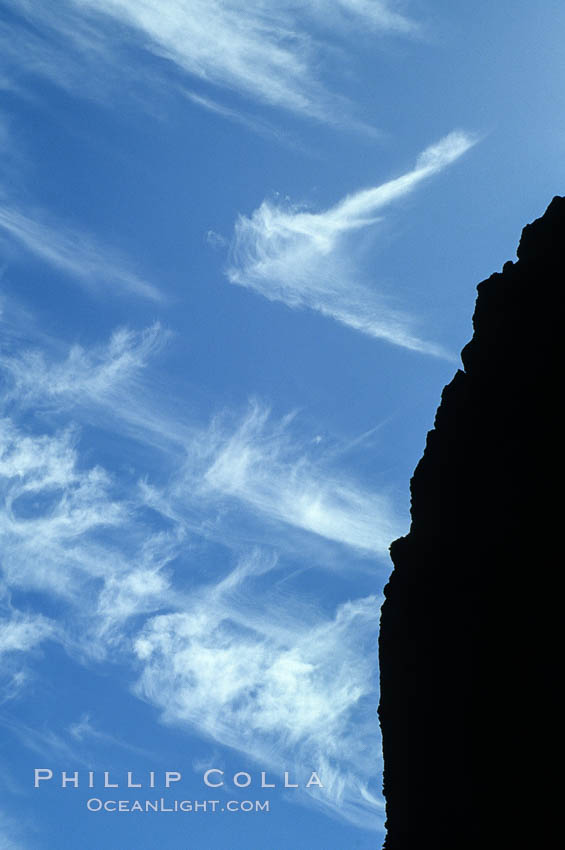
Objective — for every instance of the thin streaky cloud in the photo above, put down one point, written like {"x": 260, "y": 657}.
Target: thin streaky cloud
{"x": 22, "y": 632}
{"x": 98, "y": 375}
{"x": 259, "y": 125}
{"x": 238, "y": 658}
{"x": 253, "y": 123}
{"x": 259, "y": 464}
{"x": 306, "y": 260}
{"x": 68, "y": 531}
{"x": 283, "y": 683}
{"x": 75, "y": 253}
{"x": 85, "y": 732}
{"x": 238, "y": 45}
{"x": 11, "y": 833}
{"x": 43, "y": 742}
{"x": 51, "y": 507}
{"x": 290, "y": 692}
{"x": 376, "y": 14}
{"x": 271, "y": 52}
{"x": 260, "y": 49}
{"x": 106, "y": 383}
{"x": 252, "y": 463}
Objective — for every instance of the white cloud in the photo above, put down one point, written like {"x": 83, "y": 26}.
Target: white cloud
{"x": 50, "y": 507}
{"x": 240, "y": 659}
{"x": 250, "y": 47}
{"x": 68, "y": 533}
{"x": 85, "y": 733}
{"x": 258, "y": 125}
{"x": 11, "y": 837}
{"x": 98, "y": 375}
{"x": 73, "y": 252}
{"x": 59, "y": 48}
{"x": 288, "y": 689}
{"x": 304, "y": 259}
{"x": 44, "y": 741}
{"x": 84, "y": 728}
{"x": 248, "y": 463}
{"x": 378, "y": 14}
{"x": 133, "y": 590}
{"x": 265, "y": 466}
{"x": 105, "y": 384}
{"x": 21, "y": 632}
{"x": 271, "y": 52}
{"x": 258, "y": 48}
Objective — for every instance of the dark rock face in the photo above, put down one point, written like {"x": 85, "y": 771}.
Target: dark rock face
{"x": 468, "y": 652}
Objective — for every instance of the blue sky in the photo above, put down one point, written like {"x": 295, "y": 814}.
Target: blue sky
{"x": 239, "y": 249}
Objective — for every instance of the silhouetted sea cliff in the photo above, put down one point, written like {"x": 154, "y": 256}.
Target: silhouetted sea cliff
{"x": 469, "y": 661}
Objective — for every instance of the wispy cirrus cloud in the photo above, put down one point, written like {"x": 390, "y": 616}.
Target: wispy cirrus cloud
{"x": 21, "y": 632}
{"x": 106, "y": 383}
{"x": 73, "y": 252}
{"x": 284, "y": 683}
{"x": 84, "y": 732}
{"x": 253, "y": 122}
{"x": 71, "y": 532}
{"x": 247, "y": 464}
{"x": 11, "y": 833}
{"x": 235, "y": 657}
{"x": 95, "y": 376}
{"x": 51, "y": 507}
{"x": 270, "y": 52}
{"x": 263, "y": 465}
{"x": 306, "y": 259}
{"x": 285, "y": 686}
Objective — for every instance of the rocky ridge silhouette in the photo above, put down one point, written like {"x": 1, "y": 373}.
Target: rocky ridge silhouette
{"x": 468, "y": 647}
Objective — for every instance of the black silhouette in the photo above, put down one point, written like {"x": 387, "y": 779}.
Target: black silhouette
{"x": 469, "y": 660}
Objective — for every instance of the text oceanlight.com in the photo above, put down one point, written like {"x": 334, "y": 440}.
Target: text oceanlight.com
{"x": 212, "y": 778}
{"x": 95, "y": 804}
